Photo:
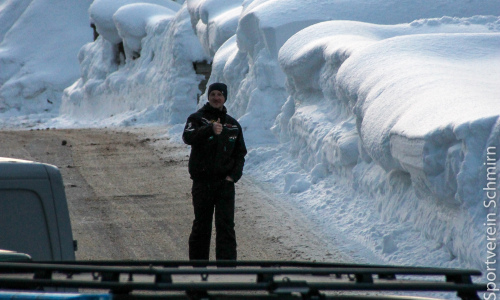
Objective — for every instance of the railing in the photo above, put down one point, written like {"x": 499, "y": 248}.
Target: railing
{"x": 239, "y": 280}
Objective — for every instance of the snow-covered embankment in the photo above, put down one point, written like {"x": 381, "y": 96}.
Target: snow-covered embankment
{"x": 425, "y": 111}
{"x": 150, "y": 80}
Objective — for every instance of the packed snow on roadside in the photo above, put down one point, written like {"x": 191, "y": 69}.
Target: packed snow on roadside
{"x": 379, "y": 119}
{"x": 38, "y": 47}
{"x": 408, "y": 102}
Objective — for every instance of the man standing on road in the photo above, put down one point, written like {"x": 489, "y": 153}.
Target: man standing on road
{"x": 215, "y": 165}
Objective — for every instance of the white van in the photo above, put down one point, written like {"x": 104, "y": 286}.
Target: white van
{"x": 34, "y": 217}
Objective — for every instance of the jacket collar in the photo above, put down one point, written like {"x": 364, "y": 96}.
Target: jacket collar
{"x": 208, "y": 108}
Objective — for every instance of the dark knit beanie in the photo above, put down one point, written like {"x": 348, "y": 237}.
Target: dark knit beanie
{"x": 221, "y": 87}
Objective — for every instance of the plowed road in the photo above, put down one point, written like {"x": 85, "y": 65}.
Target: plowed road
{"x": 129, "y": 198}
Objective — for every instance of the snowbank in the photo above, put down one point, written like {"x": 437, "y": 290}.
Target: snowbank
{"x": 265, "y": 25}
{"x": 388, "y": 108}
{"x": 421, "y": 130}
{"x": 131, "y": 22}
{"x": 102, "y": 12}
{"x": 160, "y": 85}
{"x": 38, "y": 56}
{"x": 214, "y": 21}
{"x": 324, "y": 134}
{"x": 317, "y": 53}
{"x": 419, "y": 97}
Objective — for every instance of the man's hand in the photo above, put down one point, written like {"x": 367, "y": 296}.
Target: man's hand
{"x": 229, "y": 179}
{"x": 217, "y": 127}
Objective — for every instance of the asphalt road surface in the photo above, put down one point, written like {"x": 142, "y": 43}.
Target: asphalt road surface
{"x": 129, "y": 196}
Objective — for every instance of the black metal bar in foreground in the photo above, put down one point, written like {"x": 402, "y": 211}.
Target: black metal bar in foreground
{"x": 238, "y": 280}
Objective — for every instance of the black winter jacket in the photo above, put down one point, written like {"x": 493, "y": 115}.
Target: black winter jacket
{"x": 214, "y": 157}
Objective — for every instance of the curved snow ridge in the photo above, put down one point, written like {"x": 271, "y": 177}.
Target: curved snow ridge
{"x": 102, "y": 11}
{"x": 132, "y": 21}
{"x": 319, "y": 50}
{"x": 206, "y": 10}
{"x": 214, "y": 21}
{"x": 433, "y": 96}
{"x": 274, "y": 21}
{"x": 311, "y": 59}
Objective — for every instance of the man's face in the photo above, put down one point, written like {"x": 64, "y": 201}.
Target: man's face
{"x": 216, "y": 99}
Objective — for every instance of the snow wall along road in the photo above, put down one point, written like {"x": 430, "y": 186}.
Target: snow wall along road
{"x": 400, "y": 112}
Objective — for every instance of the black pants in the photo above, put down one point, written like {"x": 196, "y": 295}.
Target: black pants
{"x": 210, "y": 196}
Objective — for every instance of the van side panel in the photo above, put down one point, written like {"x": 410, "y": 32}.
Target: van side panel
{"x": 23, "y": 224}
{"x": 34, "y": 216}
